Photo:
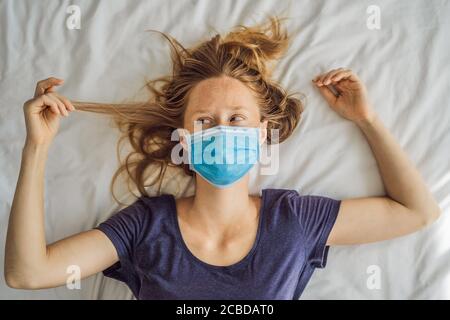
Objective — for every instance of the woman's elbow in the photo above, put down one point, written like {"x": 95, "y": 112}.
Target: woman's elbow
{"x": 16, "y": 281}
{"x": 429, "y": 216}
{"x": 13, "y": 281}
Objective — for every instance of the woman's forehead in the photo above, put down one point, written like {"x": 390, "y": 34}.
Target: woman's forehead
{"x": 223, "y": 91}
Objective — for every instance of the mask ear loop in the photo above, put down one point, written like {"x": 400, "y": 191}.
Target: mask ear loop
{"x": 188, "y": 141}
{"x": 259, "y": 145}
{"x": 186, "y": 136}
{"x": 258, "y": 139}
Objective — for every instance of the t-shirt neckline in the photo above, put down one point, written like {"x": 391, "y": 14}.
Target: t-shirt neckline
{"x": 192, "y": 257}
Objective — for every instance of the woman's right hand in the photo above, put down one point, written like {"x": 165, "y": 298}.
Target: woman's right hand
{"x": 43, "y": 111}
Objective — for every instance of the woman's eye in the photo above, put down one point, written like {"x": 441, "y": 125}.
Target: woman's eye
{"x": 237, "y": 118}
{"x": 204, "y": 121}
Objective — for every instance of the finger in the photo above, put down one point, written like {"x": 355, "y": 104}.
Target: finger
{"x": 331, "y": 74}
{"x": 47, "y": 85}
{"x": 61, "y": 105}
{"x": 327, "y": 94}
{"x": 341, "y": 76}
{"x": 321, "y": 78}
{"x": 46, "y": 101}
{"x": 318, "y": 77}
{"x": 335, "y": 89}
{"x": 340, "y": 87}
{"x": 69, "y": 106}
{"x": 346, "y": 74}
{"x": 44, "y": 85}
{"x": 67, "y": 102}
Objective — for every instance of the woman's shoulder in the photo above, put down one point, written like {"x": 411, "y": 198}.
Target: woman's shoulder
{"x": 156, "y": 200}
{"x": 142, "y": 215}
{"x": 294, "y": 201}
{"x": 278, "y": 194}
{"x": 286, "y": 193}
{"x": 146, "y": 207}
{"x": 278, "y": 191}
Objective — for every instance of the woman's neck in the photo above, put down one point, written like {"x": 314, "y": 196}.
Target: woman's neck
{"x": 222, "y": 208}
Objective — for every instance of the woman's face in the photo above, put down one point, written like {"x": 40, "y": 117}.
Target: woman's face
{"x": 222, "y": 101}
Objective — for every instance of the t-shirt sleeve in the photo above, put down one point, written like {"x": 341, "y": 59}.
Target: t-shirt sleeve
{"x": 124, "y": 229}
{"x": 316, "y": 216}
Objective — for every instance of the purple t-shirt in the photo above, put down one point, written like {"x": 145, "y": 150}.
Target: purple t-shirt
{"x": 155, "y": 262}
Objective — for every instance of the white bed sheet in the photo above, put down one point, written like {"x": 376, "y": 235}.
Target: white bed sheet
{"x": 405, "y": 66}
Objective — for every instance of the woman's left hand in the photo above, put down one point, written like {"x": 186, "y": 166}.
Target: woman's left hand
{"x": 351, "y": 102}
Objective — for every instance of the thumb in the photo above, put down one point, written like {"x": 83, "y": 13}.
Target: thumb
{"x": 327, "y": 94}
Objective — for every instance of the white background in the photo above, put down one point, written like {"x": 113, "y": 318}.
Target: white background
{"x": 405, "y": 66}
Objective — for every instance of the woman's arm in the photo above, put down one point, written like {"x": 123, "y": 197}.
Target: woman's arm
{"x": 29, "y": 262}
{"x": 409, "y": 205}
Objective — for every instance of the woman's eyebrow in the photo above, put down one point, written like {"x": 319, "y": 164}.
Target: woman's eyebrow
{"x": 200, "y": 111}
{"x": 209, "y": 111}
{"x": 237, "y": 107}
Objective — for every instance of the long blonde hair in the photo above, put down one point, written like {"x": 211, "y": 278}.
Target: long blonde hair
{"x": 243, "y": 54}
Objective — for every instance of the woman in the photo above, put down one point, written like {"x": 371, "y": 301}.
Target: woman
{"x": 221, "y": 243}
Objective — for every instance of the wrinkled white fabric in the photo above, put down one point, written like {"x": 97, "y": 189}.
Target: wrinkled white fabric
{"x": 405, "y": 65}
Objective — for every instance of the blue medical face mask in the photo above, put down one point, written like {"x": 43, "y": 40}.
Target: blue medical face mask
{"x": 223, "y": 154}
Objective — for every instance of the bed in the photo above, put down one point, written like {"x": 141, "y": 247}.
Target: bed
{"x": 404, "y": 59}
